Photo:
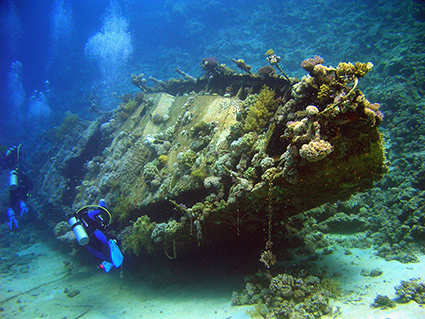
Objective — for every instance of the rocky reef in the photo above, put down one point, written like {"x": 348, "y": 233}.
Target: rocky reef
{"x": 413, "y": 289}
{"x": 285, "y": 296}
{"x": 224, "y": 156}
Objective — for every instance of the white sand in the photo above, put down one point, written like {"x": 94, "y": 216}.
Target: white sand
{"x": 361, "y": 291}
{"x": 106, "y": 296}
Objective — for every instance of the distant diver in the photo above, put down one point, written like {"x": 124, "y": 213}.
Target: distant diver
{"x": 89, "y": 224}
{"x": 19, "y": 184}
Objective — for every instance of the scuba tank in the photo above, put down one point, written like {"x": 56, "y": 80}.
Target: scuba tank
{"x": 85, "y": 217}
{"x": 12, "y": 160}
{"x": 13, "y": 180}
{"x": 79, "y": 231}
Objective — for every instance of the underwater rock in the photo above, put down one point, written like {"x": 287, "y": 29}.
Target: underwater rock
{"x": 71, "y": 293}
{"x": 286, "y": 296}
{"x": 372, "y": 273}
{"x": 383, "y": 302}
{"x": 61, "y": 228}
{"x": 411, "y": 290}
{"x": 376, "y": 272}
{"x": 341, "y": 222}
{"x": 68, "y": 238}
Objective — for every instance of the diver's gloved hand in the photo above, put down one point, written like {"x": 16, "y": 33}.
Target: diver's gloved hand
{"x": 24, "y": 208}
{"x": 11, "y": 219}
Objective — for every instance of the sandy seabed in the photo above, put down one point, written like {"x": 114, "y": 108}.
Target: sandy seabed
{"x": 40, "y": 287}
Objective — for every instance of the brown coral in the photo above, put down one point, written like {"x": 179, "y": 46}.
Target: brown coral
{"x": 309, "y": 64}
{"x": 266, "y": 71}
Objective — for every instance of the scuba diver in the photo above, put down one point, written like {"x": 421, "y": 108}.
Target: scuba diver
{"x": 89, "y": 224}
{"x": 19, "y": 183}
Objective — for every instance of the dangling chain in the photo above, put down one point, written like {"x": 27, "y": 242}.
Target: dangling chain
{"x": 237, "y": 219}
{"x": 270, "y": 211}
{"x": 267, "y": 256}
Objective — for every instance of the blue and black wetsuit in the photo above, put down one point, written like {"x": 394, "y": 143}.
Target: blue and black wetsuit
{"x": 100, "y": 245}
{"x": 19, "y": 183}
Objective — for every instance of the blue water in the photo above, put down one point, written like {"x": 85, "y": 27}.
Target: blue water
{"x": 69, "y": 50}
{"x": 60, "y": 55}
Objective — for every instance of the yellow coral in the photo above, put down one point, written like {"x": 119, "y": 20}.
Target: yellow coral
{"x": 255, "y": 120}
{"x": 324, "y": 93}
{"x": 362, "y": 68}
{"x": 358, "y": 69}
{"x": 261, "y": 111}
{"x": 344, "y": 68}
{"x": 163, "y": 159}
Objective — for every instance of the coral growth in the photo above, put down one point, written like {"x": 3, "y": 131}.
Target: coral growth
{"x": 411, "y": 290}
{"x": 125, "y": 205}
{"x": 274, "y": 60}
{"x": 139, "y": 81}
{"x": 383, "y": 302}
{"x": 261, "y": 111}
{"x": 199, "y": 174}
{"x": 187, "y": 159}
{"x": 316, "y": 150}
{"x": 266, "y": 71}
{"x": 209, "y": 64}
{"x": 285, "y": 296}
{"x": 310, "y": 63}
{"x": 242, "y": 65}
{"x": 163, "y": 160}
{"x": 358, "y": 69}
{"x": 125, "y": 109}
{"x": 139, "y": 236}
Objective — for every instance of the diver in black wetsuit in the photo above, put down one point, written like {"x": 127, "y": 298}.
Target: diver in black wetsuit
{"x": 19, "y": 184}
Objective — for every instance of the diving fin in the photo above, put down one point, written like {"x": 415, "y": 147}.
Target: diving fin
{"x": 106, "y": 266}
{"x": 116, "y": 255}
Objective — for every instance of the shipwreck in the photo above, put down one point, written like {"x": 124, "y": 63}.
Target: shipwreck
{"x": 198, "y": 162}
